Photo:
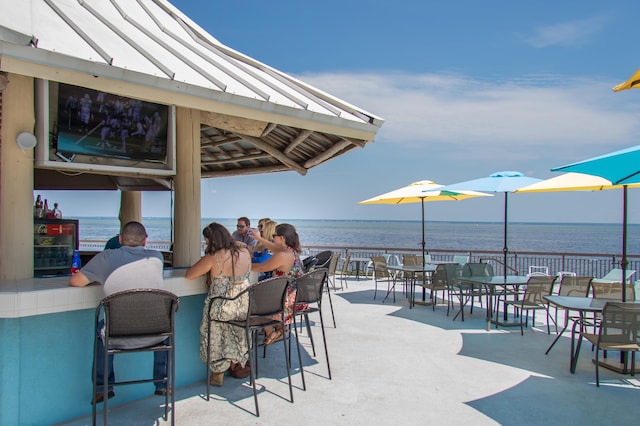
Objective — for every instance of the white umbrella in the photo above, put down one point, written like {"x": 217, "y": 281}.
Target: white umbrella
{"x": 419, "y": 192}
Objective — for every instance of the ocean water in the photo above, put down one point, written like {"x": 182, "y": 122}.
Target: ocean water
{"x": 462, "y": 236}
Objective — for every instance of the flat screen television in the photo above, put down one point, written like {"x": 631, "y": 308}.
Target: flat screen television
{"x": 83, "y": 129}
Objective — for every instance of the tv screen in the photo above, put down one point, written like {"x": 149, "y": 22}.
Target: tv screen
{"x": 95, "y": 123}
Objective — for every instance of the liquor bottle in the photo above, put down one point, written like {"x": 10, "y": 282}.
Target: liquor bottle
{"x": 38, "y": 207}
{"x": 45, "y": 209}
{"x": 75, "y": 262}
{"x": 57, "y": 213}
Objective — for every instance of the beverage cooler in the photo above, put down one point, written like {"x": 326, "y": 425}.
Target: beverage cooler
{"x": 54, "y": 241}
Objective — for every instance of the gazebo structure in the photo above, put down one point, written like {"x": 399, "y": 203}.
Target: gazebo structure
{"x": 71, "y": 72}
{"x": 232, "y": 114}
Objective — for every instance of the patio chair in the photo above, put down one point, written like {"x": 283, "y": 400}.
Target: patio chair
{"x": 476, "y": 269}
{"x": 381, "y": 274}
{"x": 132, "y": 317}
{"x": 612, "y": 290}
{"x": 538, "y": 270}
{"x": 309, "y": 291}
{"x": 266, "y": 300}
{"x": 461, "y": 259}
{"x": 435, "y": 283}
{"x": 533, "y": 300}
{"x": 619, "y": 330}
{"x": 323, "y": 259}
{"x": 615, "y": 275}
{"x": 573, "y": 286}
{"x": 343, "y": 271}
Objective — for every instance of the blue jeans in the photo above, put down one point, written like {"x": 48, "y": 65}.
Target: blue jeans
{"x": 160, "y": 360}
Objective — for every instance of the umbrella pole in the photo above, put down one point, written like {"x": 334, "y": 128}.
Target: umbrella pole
{"x": 623, "y": 262}
{"x": 423, "y": 236}
{"x": 505, "y": 249}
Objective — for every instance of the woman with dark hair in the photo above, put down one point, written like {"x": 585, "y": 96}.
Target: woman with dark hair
{"x": 285, "y": 262}
{"x": 227, "y": 265}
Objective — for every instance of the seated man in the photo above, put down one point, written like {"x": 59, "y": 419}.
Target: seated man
{"x": 143, "y": 270}
{"x": 242, "y": 233}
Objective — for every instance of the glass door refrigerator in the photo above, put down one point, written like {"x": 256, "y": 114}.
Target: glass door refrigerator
{"x": 54, "y": 241}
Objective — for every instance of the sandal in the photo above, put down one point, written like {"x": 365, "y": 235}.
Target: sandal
{"x": 273, "y": 337}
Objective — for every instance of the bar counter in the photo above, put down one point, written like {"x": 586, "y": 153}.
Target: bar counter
{"x": 46, "y": 348}
{"x": 38, "y": 296}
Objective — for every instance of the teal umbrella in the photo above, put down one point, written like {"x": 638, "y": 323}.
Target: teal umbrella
{"x": 621, "y": 168}
{"x": 505, "y": 182}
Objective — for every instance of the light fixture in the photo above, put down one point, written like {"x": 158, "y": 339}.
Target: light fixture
{"x": 26, "y": 140}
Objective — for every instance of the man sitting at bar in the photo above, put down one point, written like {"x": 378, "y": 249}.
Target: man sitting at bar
{"x": 242, "y": 233}
{"x": 133, "y": 239}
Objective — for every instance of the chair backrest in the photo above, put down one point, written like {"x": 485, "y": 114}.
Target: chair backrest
{"x": 538, "y": 270}
{"x": 461, "y": 259}
{"x": 620, "y": 323}
{"x": 571, "y": 285}
{"x": 323, "y": 259}
{"x": 345, "y": 263}
{"x": 616, "y": 275}
{"x": 380, "y": 269}
{"x": 267, "y": 297}
{"x": 310, "y": 286}
{"x": 537, "y": 287}
{"x": 411, "y": 260}
{"x": 612, "y": 290}
{"x": 445, "y": 274}
{"x": 333, "y": 263}
{"x": 477, "y": 269}
{"x": 139, "y": 313}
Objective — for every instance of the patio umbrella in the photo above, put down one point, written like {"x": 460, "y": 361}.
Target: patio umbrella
{"x": 419, "y": 192}
{"x": 620, "y": 168}
{"x": 505, "y": 182}
{"x": 631, "y": 83}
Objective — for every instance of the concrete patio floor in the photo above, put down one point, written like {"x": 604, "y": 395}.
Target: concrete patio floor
{"x": 395, "y": 365}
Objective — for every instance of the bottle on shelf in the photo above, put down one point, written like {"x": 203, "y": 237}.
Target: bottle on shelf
{"x": 45, "y": 209}
{"x": 38, "y": 207}
{"x": 57, "y": 213}
{"x": 75, "y": 262}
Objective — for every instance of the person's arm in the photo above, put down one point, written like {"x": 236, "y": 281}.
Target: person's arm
{"x": 78, "y": 280}
{"x": 262, "y": 241}
{"x": 199, "y": 268}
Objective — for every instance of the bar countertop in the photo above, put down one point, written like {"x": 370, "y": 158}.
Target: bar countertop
{"x": 39, "y": 296}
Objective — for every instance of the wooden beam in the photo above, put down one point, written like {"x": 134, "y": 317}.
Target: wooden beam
{"x": 232, "y": 123}
{"x": 245, "y": 171}
{"x": 252, "y": 157}
{"x": 278, "y": 155}
{"x": 302, "y": 136}
{"x": 324, "y": 156}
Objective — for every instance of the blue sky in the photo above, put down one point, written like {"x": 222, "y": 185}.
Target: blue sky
{"x": 466, "y": 88}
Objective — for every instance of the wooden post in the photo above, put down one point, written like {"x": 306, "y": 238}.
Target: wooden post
{"x": 186, "y": 245}
{"x": 16, "y": 179}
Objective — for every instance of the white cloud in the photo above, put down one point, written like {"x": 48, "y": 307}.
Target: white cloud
{"x": 535, "y": 112}
{"x": 567, "y": 34}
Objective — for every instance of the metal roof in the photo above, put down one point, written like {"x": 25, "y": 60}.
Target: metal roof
{"x": 254, "y": 119}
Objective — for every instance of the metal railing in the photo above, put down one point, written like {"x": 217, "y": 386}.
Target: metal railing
{"x": 589, "y": 264}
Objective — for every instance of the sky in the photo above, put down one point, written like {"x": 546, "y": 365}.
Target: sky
{"x": 466, "y": 88}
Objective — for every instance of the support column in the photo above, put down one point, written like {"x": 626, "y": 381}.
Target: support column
{"x": 130, "y": 207}
{"x": 186, "y": 245}
{"x": 16, "y": 179}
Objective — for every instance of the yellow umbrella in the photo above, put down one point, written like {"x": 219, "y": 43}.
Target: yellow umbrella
{"x": 632, "y": 82}
{"x": 571, "y": 182}
{"x": 419, "y": 192}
